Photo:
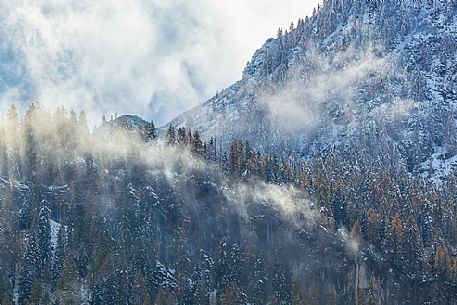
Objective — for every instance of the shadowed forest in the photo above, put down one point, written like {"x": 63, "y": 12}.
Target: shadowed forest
{"x": 120, "y": 215}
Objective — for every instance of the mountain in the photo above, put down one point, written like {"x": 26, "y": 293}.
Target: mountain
{"x": 117, "y": 217}
{"x": 313, "y": 190}
{"x": 128, "y": 122}
{"x": 125, "y": 122}
{"x": 374, "y": 78}
{"x": 133, "y": 124}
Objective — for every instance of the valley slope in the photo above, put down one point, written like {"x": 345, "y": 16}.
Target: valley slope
{"x": 375, "y": 77}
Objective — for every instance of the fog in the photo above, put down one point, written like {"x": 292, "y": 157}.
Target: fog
{"x": 151, "y": 57}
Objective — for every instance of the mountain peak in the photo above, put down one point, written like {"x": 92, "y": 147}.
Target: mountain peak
{"x": 380, "y": 68}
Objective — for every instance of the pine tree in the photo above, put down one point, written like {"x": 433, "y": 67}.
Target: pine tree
{"x": 282, "y": 283}
{"x": 6, "y": 289}
{"x": 31, "y": 155}
{"x": 67, "y": 288}
{"x": 442, "y": 264}
{"x": 235, "y": 264}
{"x": 37, "y": 256}
{"x": 339, "y": 210}
{"x": 139, "y": 293}
{"x": 150, "y": 131}
{"x": 59, "y": 256}
{"x": 8, "y": 230}
{"x": 43, "y": 233}
{"x": 199, "y": 289}
{"x": 181, "y": 136}
{"x": 121, "y": 278}
{"x": 232, "y": 159}
{"x": 232, "y": 295}
{"x": 394, "y": 242}
{"x": 259, "y": 290}
{"x": 413, "y": 248}
{"x": 374, "y": 227}
{"x": 29, "y": 272}
{"x": 222, "y": 266}
{"x": 38, "y": 295}
{"x": 197, "y": 145}
{"x": 170, "y": 136}
{"x": 183, "y": 263}
{"x": 298, "y": 297}
{"x": 208, "y": 279}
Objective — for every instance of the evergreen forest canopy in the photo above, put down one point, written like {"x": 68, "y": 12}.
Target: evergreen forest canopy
{"x": 122, "y": 216}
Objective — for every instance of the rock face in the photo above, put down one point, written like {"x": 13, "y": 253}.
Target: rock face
{"x": 375, "y": 78}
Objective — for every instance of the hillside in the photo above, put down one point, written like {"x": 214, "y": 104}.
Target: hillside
{"x": 378, "y": 77}
{"x": 120, "y": 217}
{"x": 325, "y": 176}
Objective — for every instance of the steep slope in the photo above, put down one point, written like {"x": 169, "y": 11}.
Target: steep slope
{"x": 373, "y": 77}
{"x": 93, "y": 218}
{"x": 118, "y": 218}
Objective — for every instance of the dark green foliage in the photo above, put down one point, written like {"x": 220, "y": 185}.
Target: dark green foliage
{"x": 170, "y": 136}
{"x": 117, "y": 230}
{"x": 259, "y": 283}
{"x": 281, "y": 283}
{"x": 150, "y": 132}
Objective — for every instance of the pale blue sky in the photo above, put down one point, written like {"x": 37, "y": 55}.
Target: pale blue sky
{"x": 155, "y": 58}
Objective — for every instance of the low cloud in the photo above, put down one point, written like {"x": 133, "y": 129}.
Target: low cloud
{"x": 397, "y": 109}
{"x": 292, "y": 204}
{"x": 297, "y": 105}
{"x": 156, "y": 58}
{"x": 59, "y": 138}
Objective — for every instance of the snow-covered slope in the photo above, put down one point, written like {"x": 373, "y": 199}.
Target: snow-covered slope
{"x": 375, "y": 77}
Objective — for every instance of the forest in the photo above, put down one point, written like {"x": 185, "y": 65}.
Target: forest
{"x": 127, "y": 215}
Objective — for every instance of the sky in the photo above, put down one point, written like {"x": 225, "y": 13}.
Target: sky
{"x": 153, "y": 58}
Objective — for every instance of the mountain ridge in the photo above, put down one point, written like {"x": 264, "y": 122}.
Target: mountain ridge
{"x": 349, "y": 114}
{"x": 373, "y": 67}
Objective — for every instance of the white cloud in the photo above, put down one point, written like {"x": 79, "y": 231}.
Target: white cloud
{"x": 396, "y": 109}
{"x": 155, "y": 58}
{"x": 296, "y": 106}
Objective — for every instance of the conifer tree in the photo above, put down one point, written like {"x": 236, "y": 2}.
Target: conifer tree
{"x": 259, "y": 290}
{"x": 59, "y": 256}
{"x": 150, "y": 131}
{"x": 222, "y": 266}
{"x": 282, "y": 283}
{"x": 170, "y": 137}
